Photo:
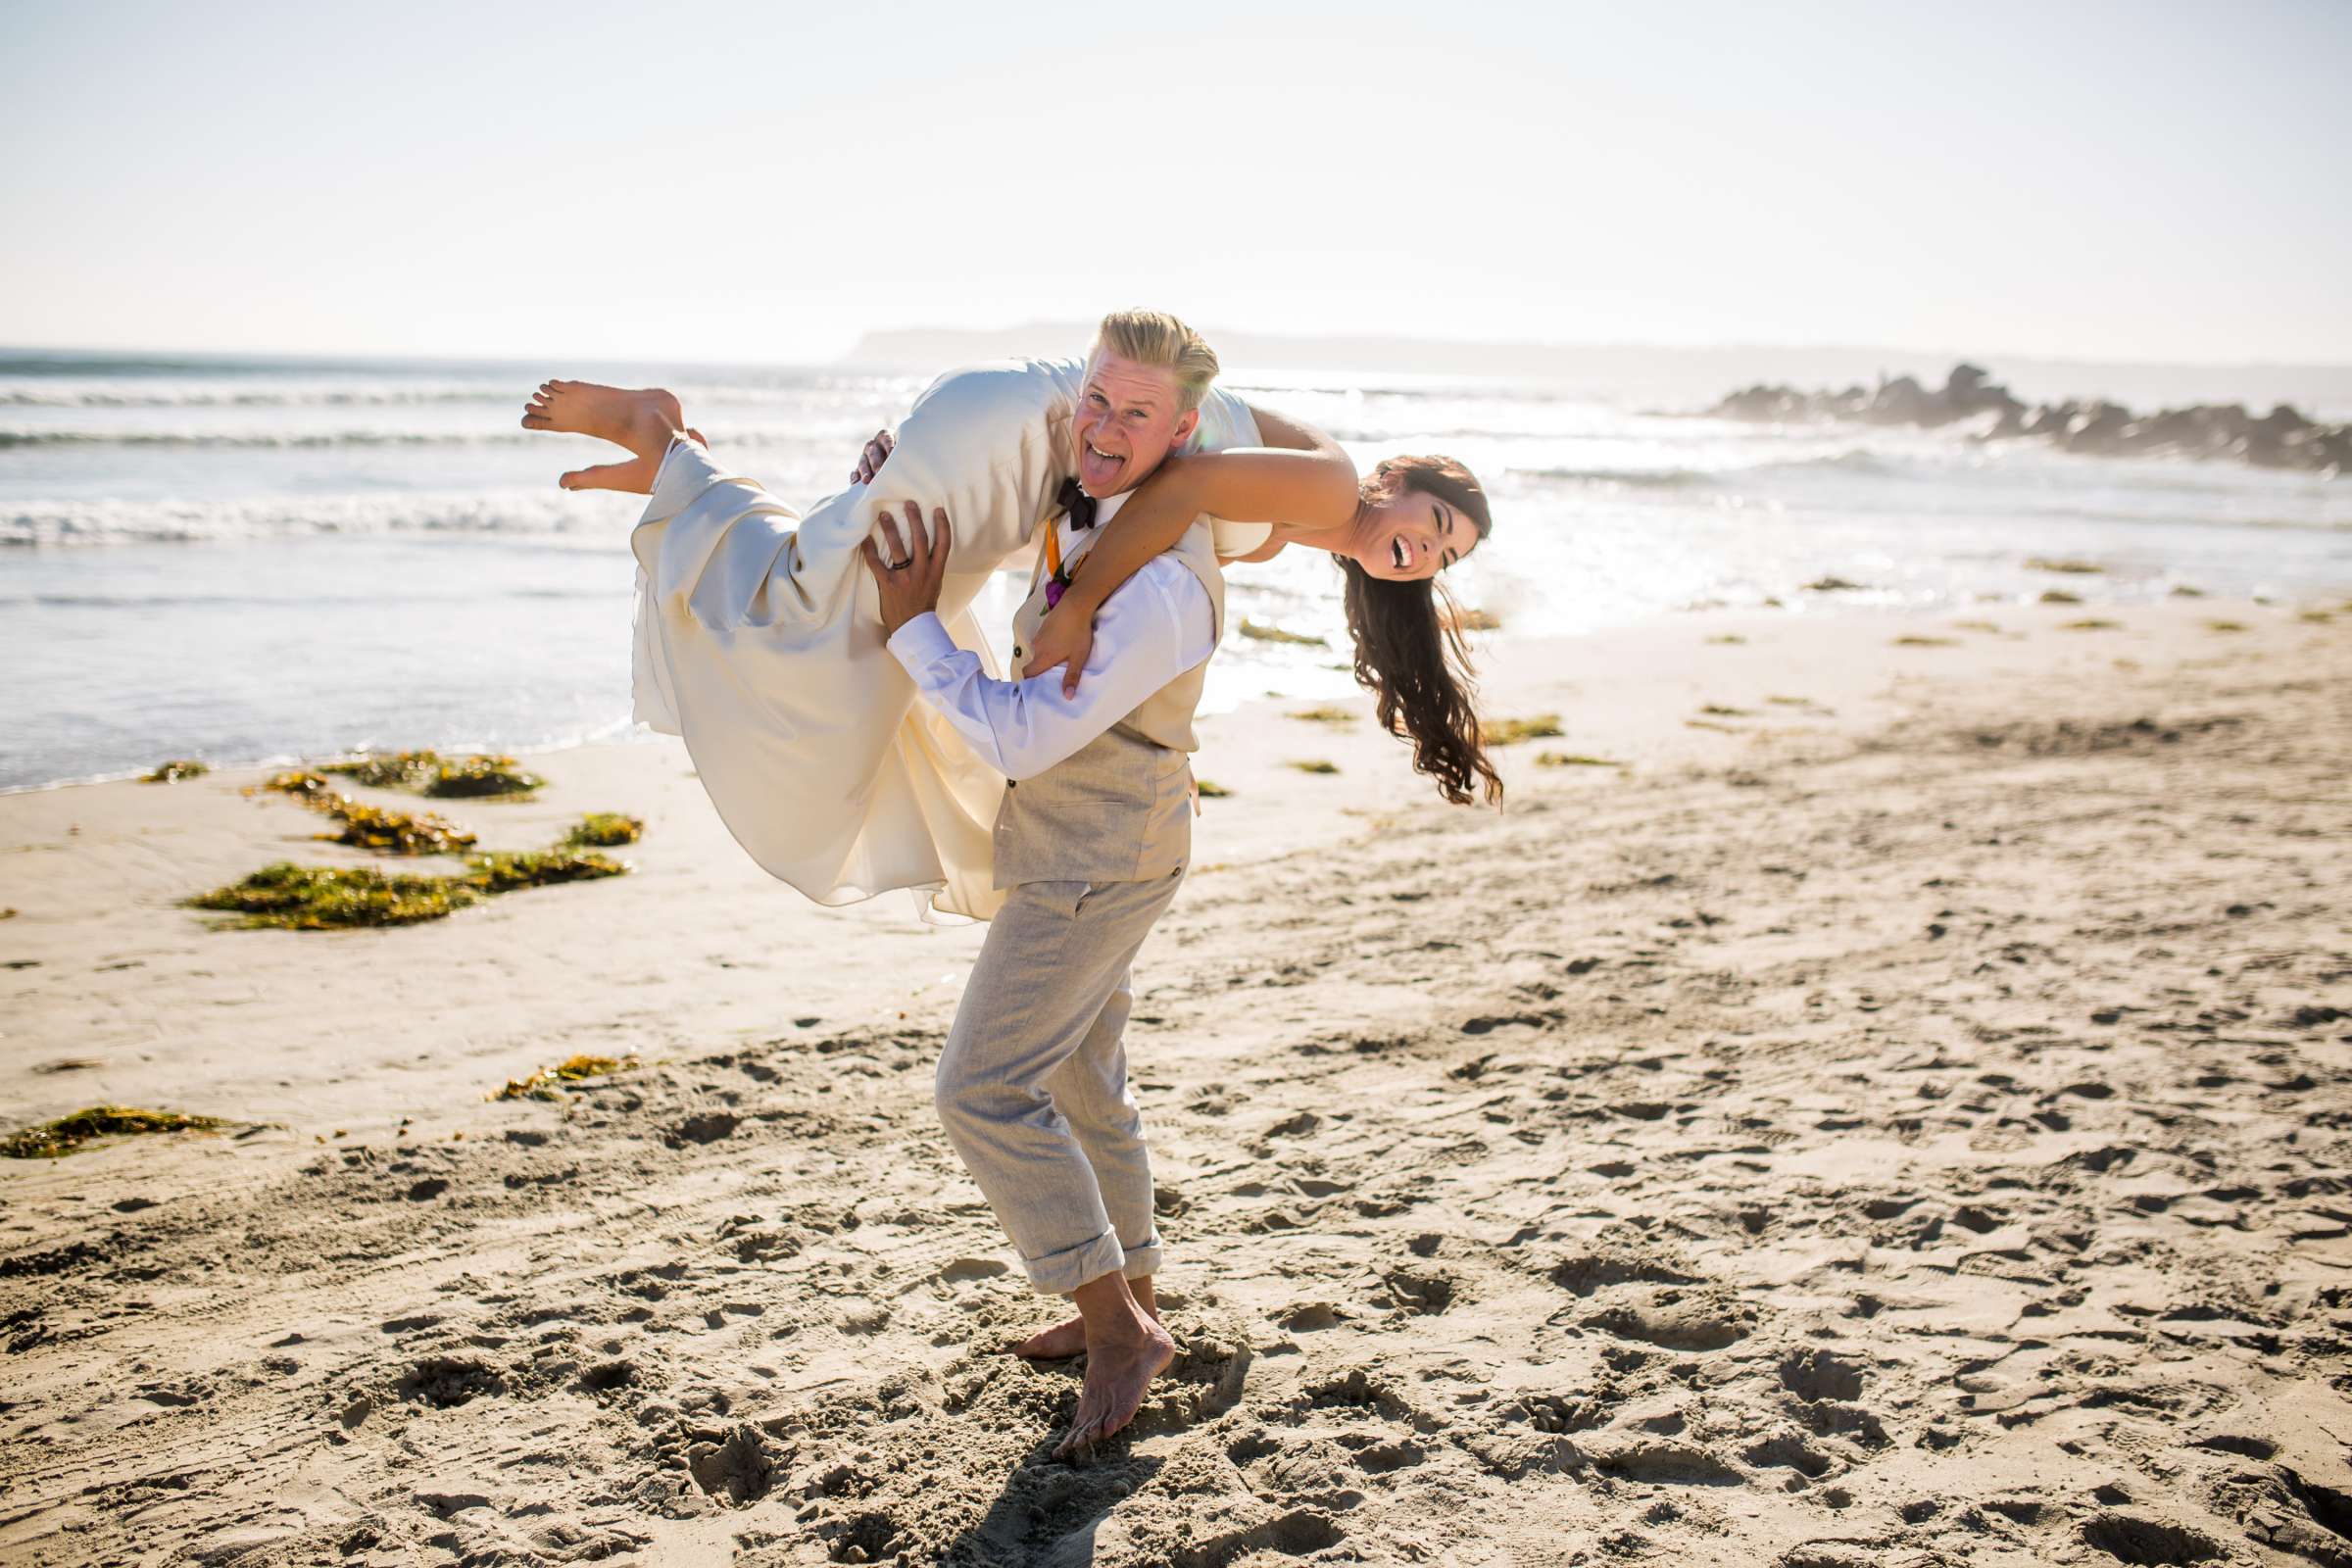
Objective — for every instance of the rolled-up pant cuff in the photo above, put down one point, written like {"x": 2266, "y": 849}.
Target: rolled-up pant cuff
{"x": 1141, "y": 1262}
{"x": 1060, "y": 1273}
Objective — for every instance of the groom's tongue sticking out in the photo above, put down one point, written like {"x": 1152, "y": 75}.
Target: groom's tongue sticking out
{"x": 1129, "y": 417}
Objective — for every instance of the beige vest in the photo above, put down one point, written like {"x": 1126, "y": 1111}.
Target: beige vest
{"x": 1119, "y": 809}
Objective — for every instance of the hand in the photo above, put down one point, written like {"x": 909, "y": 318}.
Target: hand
{"x": 909, "y": 578}
{"x": 870, "y": 461}
{"x": 1067, "y": 638}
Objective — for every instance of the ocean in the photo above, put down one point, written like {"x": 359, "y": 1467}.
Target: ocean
{"x": 255, "y": 560}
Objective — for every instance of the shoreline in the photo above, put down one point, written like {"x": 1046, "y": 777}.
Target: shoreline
{"x": 1895, "y": 1107}
{"x": 1500, "y": 650}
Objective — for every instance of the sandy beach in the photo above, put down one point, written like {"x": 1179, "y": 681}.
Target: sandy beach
{"x": 1897, "y": 1110}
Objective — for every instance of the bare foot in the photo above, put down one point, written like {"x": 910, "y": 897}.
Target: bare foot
{"x": 1066, "y": 1339}
{"x": 1117, "y": 1377}
{"x": 645, "y": 421}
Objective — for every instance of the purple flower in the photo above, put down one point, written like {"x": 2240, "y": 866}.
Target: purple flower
{"x": 1052, "y": 593}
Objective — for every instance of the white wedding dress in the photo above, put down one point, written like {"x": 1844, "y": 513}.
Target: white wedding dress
{"x": 758, "y": 638}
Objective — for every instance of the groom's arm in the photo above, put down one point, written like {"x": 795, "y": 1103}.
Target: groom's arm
{"x": 1157, "y": 625}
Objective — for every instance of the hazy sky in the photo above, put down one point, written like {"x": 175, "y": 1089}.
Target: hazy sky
{"x": 2149, "y": 181}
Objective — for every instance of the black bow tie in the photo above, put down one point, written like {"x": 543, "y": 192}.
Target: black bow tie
{"x": 1077, "y": 503}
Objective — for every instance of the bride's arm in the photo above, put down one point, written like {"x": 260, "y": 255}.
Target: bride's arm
{"x": 1301, "y": 478}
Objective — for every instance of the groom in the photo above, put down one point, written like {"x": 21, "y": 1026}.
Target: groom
{"x": 1090, "y": 843}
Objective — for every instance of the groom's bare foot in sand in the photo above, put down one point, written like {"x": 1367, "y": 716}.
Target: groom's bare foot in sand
{"x": 1124, "y": 1351}
{"x": 1069, "y": 1338}
{"x": 645, "y": 421}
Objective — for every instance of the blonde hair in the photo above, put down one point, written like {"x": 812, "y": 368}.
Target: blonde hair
{"x": 1154, "y": 337}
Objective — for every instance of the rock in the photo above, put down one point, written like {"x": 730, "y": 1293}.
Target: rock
{"x": 2281, "y": 439}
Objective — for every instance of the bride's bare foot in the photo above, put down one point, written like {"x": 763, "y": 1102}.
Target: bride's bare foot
{"x": 1067, "y": 1339}
{"x": 645, "y": 421}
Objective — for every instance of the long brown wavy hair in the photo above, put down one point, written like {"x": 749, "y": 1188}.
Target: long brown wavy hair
{"x": 1408, "y": 641}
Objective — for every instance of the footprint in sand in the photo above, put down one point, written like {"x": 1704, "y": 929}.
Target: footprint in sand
{"x": 444, "y": 1381}
{"x": 1672, "y": 1321}
{"x": 1418, "y": 1291}
{"x": 738, "y": 1470}
{"x": 2138, "y": 1539}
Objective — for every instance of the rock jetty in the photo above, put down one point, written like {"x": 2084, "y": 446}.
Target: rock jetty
{"x": 2280, "y": 439}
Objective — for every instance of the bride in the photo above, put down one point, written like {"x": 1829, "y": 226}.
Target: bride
{"x": 758, "y": 636}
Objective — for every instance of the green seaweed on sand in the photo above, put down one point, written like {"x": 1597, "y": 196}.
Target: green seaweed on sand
{"x": 1974, "y": 626}
{"x": 1258, "y": 632}
{"x": 605, "y": 830}
{"x": 321, "y": 898}
{"x": 2078, "y": 568}
{"x": 174, "y": 771}
{"x": 2059, "y": 596}
{"x": 1324, "y": 716}
{"x": 1926, "y": 642}
{"x": 505, "y": 871}
{"x": 1719, "y": 710}
{"x": 1576, "y": 760}
{"x": 1209, "y": 790}
{"x": 2317, "y": 617}
{"x": 1730, "y": 639}
{"x": 1314, "y": 766}
{"x": 371, "y": 827}
{"x": 2181, "y": 590}
{"x": 430, "y": 773}
{"x": 53, "y": 1140}
{"x": 482, "y": 775}
{"x": 1834, "y": 585}
{"x": 1511, "y": 731}
{"x": 2225, "y": 625}
{"x": 303, "y": 784}
{"x": 544, "y": 1084}
{"x": 2092, "y": 625}
{"x": 399, "y": 770}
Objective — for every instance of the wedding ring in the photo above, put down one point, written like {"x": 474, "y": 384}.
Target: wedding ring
{"x": 899, "y": 565}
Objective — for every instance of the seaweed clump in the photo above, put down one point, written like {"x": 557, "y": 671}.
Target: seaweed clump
{"x": 173, "y": 772}
{"x": 1317, "y": 767}
{"x": 53, "y": 1140}
{"x": 371, "y": 827}
{"x": 302, "y": 784}
{"x": 1324, "y": 716}
{"x": 1510, "y": 731}
{"x": 482, "y": 775}
{"x": 505, "y": 871}
{"x": 605, "y": 830}
{"x": 430, "y": 773}
{"x": 321, "y": 898}
{"x": 543, "y": 1084}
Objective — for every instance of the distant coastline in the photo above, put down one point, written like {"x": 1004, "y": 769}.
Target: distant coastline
{"x": 1673, "y": 378}
{"x": 1670, "y": 368}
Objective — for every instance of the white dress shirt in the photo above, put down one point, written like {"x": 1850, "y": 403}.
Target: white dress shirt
{"x": 1152, "y": 628}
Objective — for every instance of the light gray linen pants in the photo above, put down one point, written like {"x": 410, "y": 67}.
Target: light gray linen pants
{"x": 1032, "y": 1087}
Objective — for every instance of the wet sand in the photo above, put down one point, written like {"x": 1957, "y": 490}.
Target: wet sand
{"x": 1903, "y": 1115}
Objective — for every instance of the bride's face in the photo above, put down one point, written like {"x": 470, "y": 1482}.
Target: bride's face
{"x": 1129, "y": 415}
{"x": 1408, "y": 536}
